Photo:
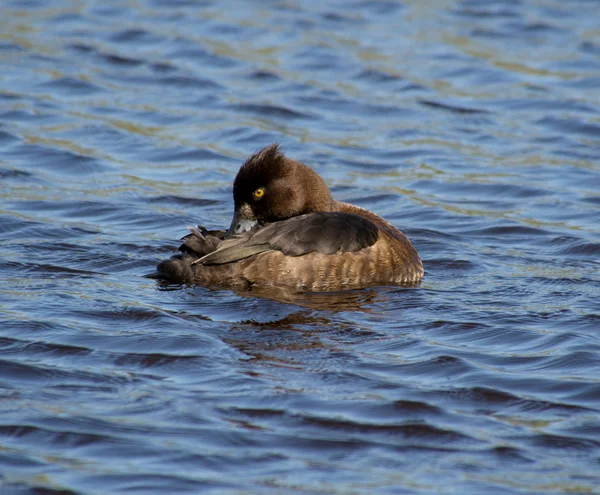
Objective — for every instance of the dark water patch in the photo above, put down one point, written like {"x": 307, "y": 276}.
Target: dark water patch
{"x": 568, "y": 444}
{"x": 585, "y": 393}
{"x": 508, "y": 230}
{"x": 67, "y": 250}
{"x": 6, "y": 138}
{"x": 181, "y": 154}
{"x": 66, "y": 162}
{"x": 364, "y": 162}
{"x": 67, "y": 18}
{"x": 451, "y": 266}
{"x": 337, "y": 104}
{"x": 264, "y": 76}
{"x": 412, "y": 87}
{"x": 549, "y": 389}
{"x": 194, "y": 202}
{"x": 135, "y": 36}
{"x": 545, "y": 410}
{"x": 109, "y": 58}
{"x": 42, "y": 270}
{"x": 34, "y": 229}
{"x": 510, "y": 454}
{"x": 81, "y": 48}
{"x": 378, "y": 7}
{"x": 519, "y": 31}
{"x": 9, "y": 97}
{"x": 595, "y": 200}
{"x": 323, "y": 60}
{"x": 188, "y": 82}
{"x": 418, "y": 432}
{"x": 67, "y": 209}
{"x": 397, "y": 413}
{"x": 171, "y": 84}
{"x": 541, "y": 27}
{"x": 408, "y": 408}
{"x": 150, "y": 482}
{"x": 11, "y": 174}
{"x": 151, "y": 353}
{"x": 102, "y": 425}
{"x": 491, "y": 34}
{"x": 434, "y": 235}
{"x": 469, "y": 76}
{"x": 180, "y": 3}
{"x": 376, "y": 76}
{"x": 514, "y": 340}
{"x": 579, "y": 65}
{"x": 18, "y": 462}
{"x": 573, "y": 246}
{"x": 461, "y": 190}
{"x": 541, "y": 105}
{"x": 388, "y": 161}
{"x": 575, "y": 362}
{"x": 110, "y": 138}
{"x": 33, "y": 4}
{"x": 571, "y": 125}
{"x": 21, "y": 372}
{"x": 459, "y": 330}
{"x": 31, "y": 327}
{"x": 163, "y": 67}
{"x": 158, "y": 119}
{"x": 378, "y": 199}
{"x": 69, "y": 86}
{"x": 590, "y": 47}
{"x": 477, "y": 10}
{"x": 25, "y": 489}
{"x": 451, "y": 107}
{"x": 572, "y": 154}
{"x": 232, "y": 31}
{"x": 479, "y": 399}
{"x": 75, "y": 439}
{"x": 8, "y": 46}
{"x": 338, "y": 18}
{"x": 41, "y": 349}
{"x": 585, "y": 429}
{"x": 121, "y": 61}
{"x": 273, "y": 111}
{"x": 132, "y": 316}
{"x": 202, "y": 57}
{"x": 448, "y": 367}
{"x": 105, "y": 11}
{"x": 155, "y": 360}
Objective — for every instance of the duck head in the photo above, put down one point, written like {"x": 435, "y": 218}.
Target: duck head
{"x": 270, "y": 187}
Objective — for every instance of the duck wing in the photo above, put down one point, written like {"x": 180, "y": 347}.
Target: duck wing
{"x": 323, "y": 232}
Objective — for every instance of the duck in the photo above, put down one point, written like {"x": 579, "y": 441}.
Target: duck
{"x": 288, "y": 232}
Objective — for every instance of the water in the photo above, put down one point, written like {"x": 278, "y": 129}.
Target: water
{"x": 472, "y": 126}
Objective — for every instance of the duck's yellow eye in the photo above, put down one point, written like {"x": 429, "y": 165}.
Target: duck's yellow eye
{"x": 259, "y": 193}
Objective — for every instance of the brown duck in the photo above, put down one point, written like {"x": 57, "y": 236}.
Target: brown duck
{"x": 288, "y": 232}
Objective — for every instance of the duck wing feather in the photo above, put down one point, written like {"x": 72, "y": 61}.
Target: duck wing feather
{"x": 323, "y": 232}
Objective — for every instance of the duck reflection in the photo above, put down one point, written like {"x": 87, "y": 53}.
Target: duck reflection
{"x": 356, "y": 300}
{"x": 352, "y": 300}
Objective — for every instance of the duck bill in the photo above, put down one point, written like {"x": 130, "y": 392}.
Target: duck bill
{"x": 240, "y": 224}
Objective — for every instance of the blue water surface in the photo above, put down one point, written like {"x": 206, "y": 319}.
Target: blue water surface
{"x": 473, "y": 126}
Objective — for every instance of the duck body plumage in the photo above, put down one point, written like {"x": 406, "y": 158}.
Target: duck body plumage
{"x": 299, "y": 238}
